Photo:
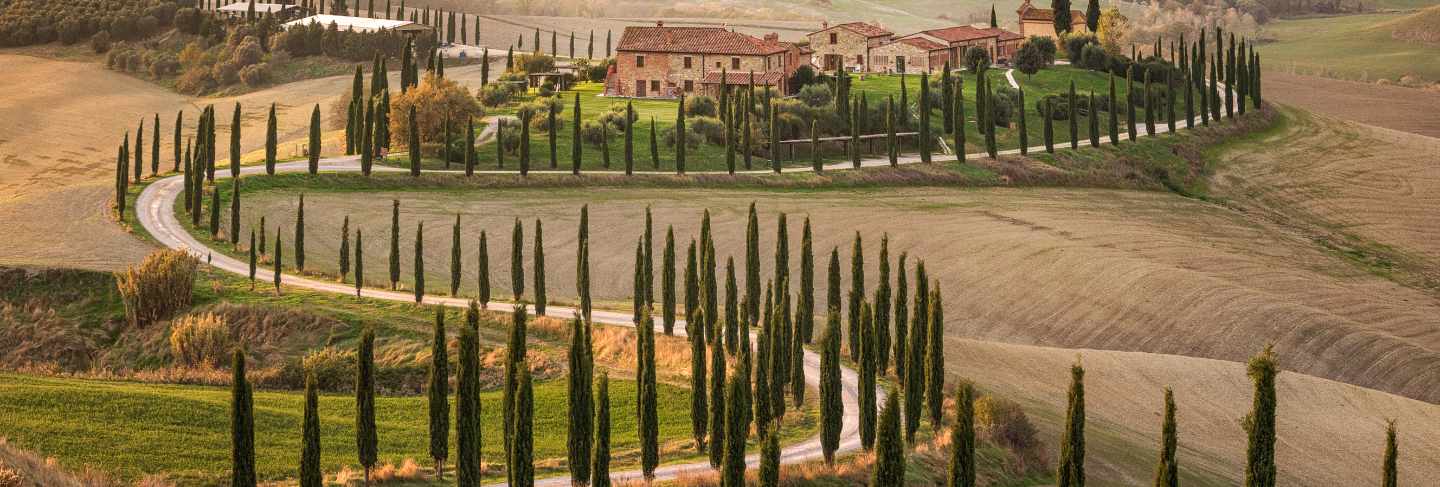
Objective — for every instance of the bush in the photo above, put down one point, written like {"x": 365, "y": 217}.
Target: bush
{"x": 1004, "y": 423}
{"x": 976, "y": 58}
{"x": 540, "y": 108}
{"x": 804, "y": 76}
{"x": 1046, "y": 45}
{"x": 100, "y": 42}
{"x": 1060, "y": 106}
{"x": 816, "y": 95}
{"x": 1075, "y": 43}
{"x": 535, "y": 63}
{"x": 434, "y": 99}
{"x": 1029, "y": 59}
{"x": 161, "y": 285}
{"x": 692, "y": 139}
{"x": 701, "y": 106}
{"x": 201, "y": 340}
{"x": 255, "y": 74}
{"x": 333, "y": 369}
{"x": 592, "y": 132}
{"x": 1094, "y": 58}
{"x": 710, "y": 129}
{"x": 1002, "y": 104}
{"x": 616, "y": 119}
{"x": 496, "y": 94}
{"x": 195, "y": 80}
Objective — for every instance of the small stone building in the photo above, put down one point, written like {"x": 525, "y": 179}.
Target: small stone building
{"x": 911, "y": 54}
{"x": 665, "y": 61}
{"x": 1041, "y": 21}
{"x": 849, "y": 45}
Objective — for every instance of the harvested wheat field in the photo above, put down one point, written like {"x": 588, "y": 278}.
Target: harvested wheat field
{"x": 1411, "y": 110}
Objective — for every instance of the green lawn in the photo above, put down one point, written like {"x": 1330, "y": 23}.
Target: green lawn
{"x": 1356, "y": 47}
{"x": 132, "y": 429}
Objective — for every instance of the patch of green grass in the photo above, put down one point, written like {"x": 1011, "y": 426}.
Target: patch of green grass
{"x": 134, "y": 429}
{"x": 1355, "y": 47}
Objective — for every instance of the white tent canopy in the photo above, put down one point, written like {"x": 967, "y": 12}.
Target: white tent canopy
{"x": 260, "y": 8}
{"x": 358, "y": 24}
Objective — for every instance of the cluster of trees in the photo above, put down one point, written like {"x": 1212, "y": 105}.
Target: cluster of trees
{"x": 27, "y": 22}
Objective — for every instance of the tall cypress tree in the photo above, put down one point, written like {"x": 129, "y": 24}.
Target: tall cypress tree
{"x": 736, "y": 431}
{"x": 1048, "y": 114}
{"x": 1113, "y": 116}
{"x": 752, "y": 265}
{"x": 366, "y": 439}
{"x": 924, "y": 117}
{"x": 882, "y": 309}
{"x": 629, "y": 138}
{"x": 420, "y": 262}
{"x": 215, "y": 213}
{"x": 962, "y": 439}
{"x": 483, "y": 269}
{"x": 1167, "y": 474}
{"x": 890, "y": 450}
{"x": 467, "y": 407}
{"x": 692, "y": 293}
{"x": 960, "y": 119}
{"x": 414, "y": 147}
{"x": 667, "y": 283}
{"x": 539, "y": 264}
{"x": 857, "y": 294}
{"x": 522, "y": 453}
{"x": 242, "y": 425}
{"x": 1093, "y": 119}
{"x": 517, "y": 261}
{"x": 455, "y": 257}
{"x": 600, "y": 461}
{"x": 514, "y": 362}
{"x": 1388, "y": 474}
{"x": 279, "y": 260}
{"x": 763, "y": 407}
{"x": 470, "y": 146}
{"x": 649, "y": 427}
{"x": 235, "y": 212}
{"x": 699, "y": 419}
{"x": 310, "y": 474}
{"x": 394, "y": 243}
{"x": 439, "y": 395}
{"x": 1071, "y": 472}
{"x": 312, "y": 150}
{"x": 935, "y": 357}
{"x": 582, "y": 271}
{"x": 718, "y": 418}
{"x": 680, "y": 141}
{"x": 575, "y": 145}
{"x": 359, "y": 260}
{"x": 525, "y": 145}
{"x": 234, "y": 143}
{"x": 805, "y": 311}
{"x": 344, "y": 253}
{"x": 832, "y": 409}
{"x": 732, "y": 324}
{"x": 1130, "y": 102}
{"x": 252, "y": 259}
{"x": 902, "y": 318}
{"x": 300, "y": 235}
{"x": 1260, "y": 423}
{"x": 915, "y": 366}
{"x": 867, "y": 377}
{"x": 1073, "y": 110}
{"x": 581, "y": 408}
{"x": 1024, "y": 136}
{"x": 179, "y": 117}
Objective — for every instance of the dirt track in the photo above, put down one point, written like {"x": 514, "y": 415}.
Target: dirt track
{"x": 1404, "y": 109}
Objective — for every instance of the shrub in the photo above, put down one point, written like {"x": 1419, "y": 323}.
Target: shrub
{"x": 1002, "y": 104}
{"x": 161, "y": 285}
{"x": 692, "y": 139}
{"x": 334, "y": 369}
{"x": 701, "y": 106}
{"x": 591, "y": 132}
{"x": 1075, "y": 43}
{"x": 1094, "y": 58}
{"x": 255, "y": 74}
{"x": 10, "y": 478}
{"x": 200, "y": 340}
{"x": 816, "y": 95}
{"x": 100, "y": 42}
{"x": 804, "y": 76}
{"x": 496, "y": 94}
{"x": 535, "y": 63}
{"x": 976, "y": 58}
{"x": 616, "y": 119}
{"x": 195, "y": 80}
{"x": 433, "y": 99}
{"x": 247, "y": 52}
{"x": 710, "y": 129}
{"x": 1028, "y": 59}
{"x": 1046, "y": 45}
{"x": 1004, "y": 423}
{"x": 540, "y": 108}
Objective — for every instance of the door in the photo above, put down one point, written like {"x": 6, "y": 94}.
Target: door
{"x": 640, "y": 88}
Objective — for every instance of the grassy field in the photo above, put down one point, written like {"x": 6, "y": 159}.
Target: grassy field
{"x": 1354, "y": 47}
{"x": 132, "y": 429}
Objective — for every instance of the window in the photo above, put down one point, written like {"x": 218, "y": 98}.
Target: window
{"x": 687, "y": 62}
{"x": 689, "y": 86}
{"x": 834, "y": 39}
{"x": 734, "y": 63}
{"x": 859, "y": 59}
{"x": 639, "y": 61}
{"x": 655, "y": 85}
{"x": 640, "y": 87}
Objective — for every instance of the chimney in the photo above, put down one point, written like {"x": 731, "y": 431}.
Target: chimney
{"x": 772, "y": 37}
{"x": 824, "y": 24}
{"x": 659, "y": 23}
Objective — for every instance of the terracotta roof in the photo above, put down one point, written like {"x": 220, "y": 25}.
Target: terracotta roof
{"x": 863, "y": 28}
{"x": 922, "y": 43}
{"x": 761, "y": 79}
{"x": 701, "y": 40}
{"x": 1047, "y": 15}
{"x": 1005, "y": 35}
{"x": 959, "y": 33}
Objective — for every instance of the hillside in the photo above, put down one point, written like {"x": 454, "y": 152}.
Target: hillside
{"x": 1421, "y": 26}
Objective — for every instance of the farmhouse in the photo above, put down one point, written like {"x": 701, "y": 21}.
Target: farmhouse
{"x": 929, "y": 50}
{"x": 1006, "y": 43}
{"x": 360, "y": 24}
{"x": 665, "y": 61}
{"x": 848, "y": 44}
{"x": 910, "y": 54}
{"x": 1041, "y": 21}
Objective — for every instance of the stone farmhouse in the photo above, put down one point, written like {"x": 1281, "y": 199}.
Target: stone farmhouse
{"x": 929, "y": 50}
{"x": 849, "y": 45}
{"x": 663, "y": 62}
{"x": 1041, "y": 21}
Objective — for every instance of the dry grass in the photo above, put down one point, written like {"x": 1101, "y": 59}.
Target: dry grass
{"x": 160, "y": 286}
{"x": 21, "y": 468}
{"x": 200, "y": 340}
{"x": 34, "y": 335}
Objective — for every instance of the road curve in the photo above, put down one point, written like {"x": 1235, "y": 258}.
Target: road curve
{"x": 155, "y": 211}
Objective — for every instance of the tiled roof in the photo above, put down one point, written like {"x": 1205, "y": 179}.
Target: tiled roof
{"x": 1005, "y": 35}
{"x": 701, "y": 40}
{"x": 922, "y": 43}
{"x": 1047, "y": 15}
{"x": 761, "y": 79}
{"x": 865, "y": 29}
{"x": 959, "y": 33}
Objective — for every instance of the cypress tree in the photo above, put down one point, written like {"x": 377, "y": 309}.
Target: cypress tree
{"x": 252, "y": 259}
{"x": 832, "y": 410}
{"x": 1388, "y": 475}
{"x": 763, "y": 407}
{"x": 962, "y": 439}
{"x": 1130, "y": 102}
{"x": 313, "y": 149}
{"x": 582, "y": 271}
{"x": 483, "y": 264}
{"x": 637, "y": 283}
{"x": 242, "y": 425}
{"x": 935, "y": 357}
{"x": 902, "y": 319}
{"x": 649, "y": 422}
{"x": 235, "y": 212}
{"x": 605, "y": 146}
{"x": 699, "y": 420}
{"x": 1149, "y": 105}
{"x": 575, "y": 145}
{"x": 654, "y": 146}
{"x": 882, "y": 309}
{"x": 344, "y": 253}
{"x": 857, "y": 295}
{"x": 394, "y": 243}
{"x": 805, "y": 311}
{"x": 815, "y": 161}
{"x": 890, "y": 451}
{"x": 867, "y": 377}
{"x": 439, "y": 395}
{"x": 455, "y": 257}
{"x": 1189, "y": 103}
{"x": 234, "y": 143}
{"x": 891, "y": 143}
{"x": 732, "y": 325}
{"x": 359, "y": 260}
{"x": 736, "y": 431}
{"x": 1072, "y": 442}
{"x": 366, "y": 440}
{"x": 467, "y": 407}
{"x": 960, "y": 119}
{"x": 717, "y": 403}
{"x": 139, "y": 165}
{"x": 1260, "y": 423}
{"x": 155, "y": 142}
{"x": 600, "y": 461}
{"x": 279, "y": 259}
{"x": 667, "y": 283}
{"x": 366, "y": 126}
{"x": 310, "y": 474}
{"x": 1093, "y": 117}
{"x": 649, "y": 267}
{"x": 707, "y": 279}
{"x": 924, "y": 117}
{"x": 517, "y": 261}
{"x": 581, "y": 408}
{"x": 1167, "y": 474}
{"x": 470, "y": 146}
{"x": 514, "y": 362}
{"x": 947, "y": 99}
{"x": 1074, "y": 113}
{"x": 680, "y": 139}
{"x": 522, "y": 455}
{"x": 752, "y": 265}
{"x": 1114, "y": 117}
{"x": 270, "y": 142}
{"x": 916, "y": 366}
{"x": 300, "y": 235}
{"x": 855, "y": 138}
{"x": 179, "y": 117}
{"x": 525, "y": 145}
{"x": 539, "y": 268}
{"x": 1024, "y": 136}
{"x": 692, "y": 293}
{"x": 419, "y": 262}
{"x": 1048, "y": 114}
{"x": 414, "y": 147}
{"x": 774, "y": 127}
